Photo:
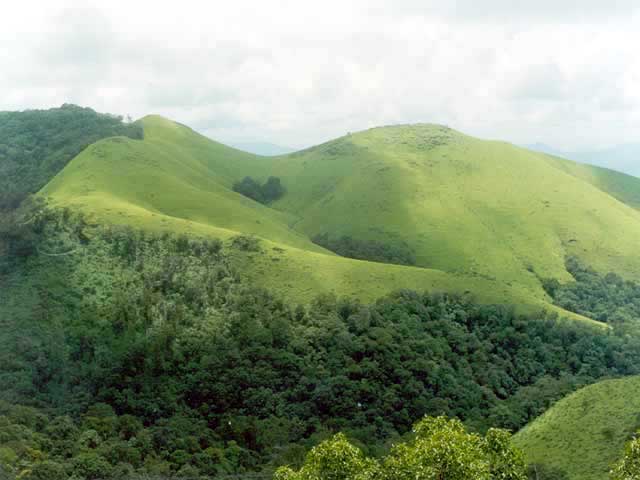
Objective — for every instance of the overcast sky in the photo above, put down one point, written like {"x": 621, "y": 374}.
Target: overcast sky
{"x": 296, "y": 73}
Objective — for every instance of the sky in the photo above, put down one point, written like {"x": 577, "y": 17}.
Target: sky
{"x": 297, "y": 73}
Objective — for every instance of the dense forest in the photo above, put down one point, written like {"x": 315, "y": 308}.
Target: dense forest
{"x": 372, "y": 250}
{"x": 154, "y": 356}
{"x": 37, "y": 144}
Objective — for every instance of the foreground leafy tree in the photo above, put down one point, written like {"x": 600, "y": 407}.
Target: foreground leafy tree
{"x": 441, "y": 450}
{"x": 333, "y": 459}
{"x": 629, "y": 467}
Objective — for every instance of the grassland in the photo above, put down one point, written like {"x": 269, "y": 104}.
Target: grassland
{"x": 585, "y": 432}
{"x": 482, "y": 217}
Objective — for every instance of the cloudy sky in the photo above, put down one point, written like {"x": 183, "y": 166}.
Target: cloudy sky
{"x": 563, "y": 72}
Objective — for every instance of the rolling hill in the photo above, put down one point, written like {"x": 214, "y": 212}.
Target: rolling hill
{"x": 480, "y": 216}
{"x": 585, "y": 433}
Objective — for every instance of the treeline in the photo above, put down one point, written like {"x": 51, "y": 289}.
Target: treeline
{"x": 372, "y": 250}
{"x": 265, "y": 193}
{"x": 607, "y": 298}
{"x": 163, "y": 330}
{"x": 36, "y": 144}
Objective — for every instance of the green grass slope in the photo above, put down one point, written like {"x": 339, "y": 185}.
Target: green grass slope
{"x": 485, "y": 217}
{"x": 625, "y": 188}
{"x": 174, "y": 179}
{"x": 585, "y": 433}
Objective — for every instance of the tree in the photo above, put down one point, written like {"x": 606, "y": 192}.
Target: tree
{"x": 272, "y": 189}
{"x": 441, "y": 449}
{"x": 333, "y": 459}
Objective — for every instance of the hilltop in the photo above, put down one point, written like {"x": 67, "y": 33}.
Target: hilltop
{"x": 585, "y": 433}
{"x": 479, "y": 216}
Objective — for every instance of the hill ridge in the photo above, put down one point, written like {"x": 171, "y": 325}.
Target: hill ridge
{"x": 469, "y": 208}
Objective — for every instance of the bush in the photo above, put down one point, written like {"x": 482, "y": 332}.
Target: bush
{"x": 246, "y": 243}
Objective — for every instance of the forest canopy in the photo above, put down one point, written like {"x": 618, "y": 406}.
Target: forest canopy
{"x": 36, "y": 144}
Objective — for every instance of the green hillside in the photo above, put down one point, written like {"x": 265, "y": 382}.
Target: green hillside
{"x": 480, "y": 216}
{"x": 585, "y": 433}
{"x": 174, "y": 179}
{"x": 463, "y": 204}
{"x": 625, "y": 188}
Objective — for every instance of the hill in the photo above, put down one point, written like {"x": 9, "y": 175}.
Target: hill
{"x": 37, "y": 144}
{"x": 585, "y": 433}
{"x": 472, "y": 219}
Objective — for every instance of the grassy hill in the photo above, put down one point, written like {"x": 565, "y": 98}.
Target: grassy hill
{"x": 463, "y": 204}
{"x": 480, "y": 216}
{"x": 584, "y": 433}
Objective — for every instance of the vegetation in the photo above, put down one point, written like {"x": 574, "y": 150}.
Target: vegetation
{"x": 628, "y": 468}
{"x": 163, "y": 329}
{"x": 581, "y": 436}
{"x": 607, "y": 298}
{"x": 36, "y": 144}
{"x": 371, "y": 250}
{"x": 216, "y": 338}
{"x": 266, "y": 193}
{"x": 440, "y": 448}
{"x": 458, "y": 203}
{"x": 621, "y": 186}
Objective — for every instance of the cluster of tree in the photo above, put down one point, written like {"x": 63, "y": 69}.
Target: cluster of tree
{"x": 372, "y": 250}
{"x": 20, "y": 229}
{"x": 607, "y": 298}
{"x": 36, "y": 144}
{"x": 439, "y": 449}
{"x": 266, "y": 193}
{"x": 163, "y": 330}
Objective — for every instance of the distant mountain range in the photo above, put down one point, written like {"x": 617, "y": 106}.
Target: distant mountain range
{"x": 262, "y": 148}
{"x": 624, "y": 158}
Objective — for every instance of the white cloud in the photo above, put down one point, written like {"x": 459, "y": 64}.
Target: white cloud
{"x": 300, "y": 72}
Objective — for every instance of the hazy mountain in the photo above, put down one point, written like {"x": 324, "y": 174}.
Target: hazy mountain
{"x": 266, "y": 149}
{"x": 624, "y": 158}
